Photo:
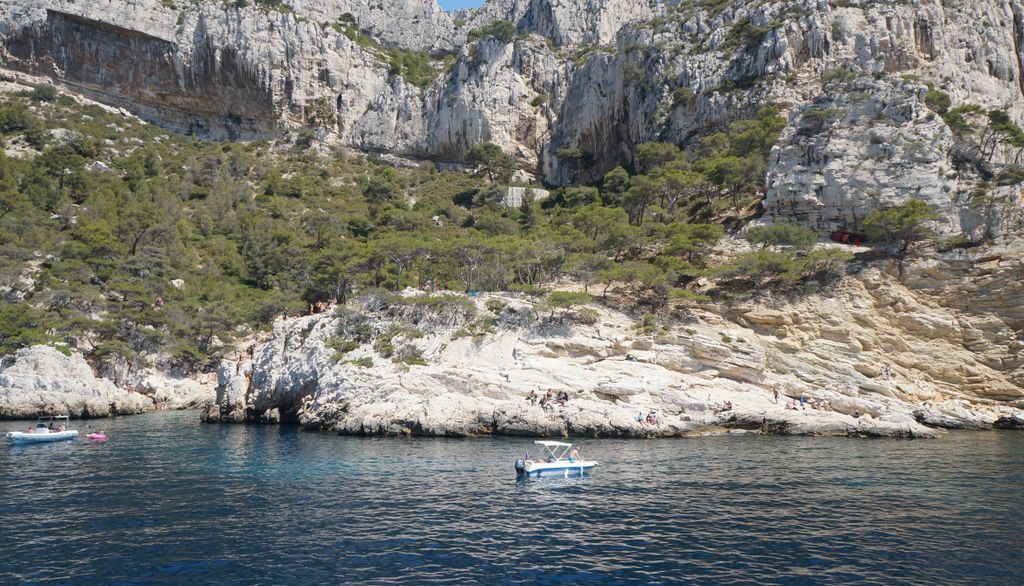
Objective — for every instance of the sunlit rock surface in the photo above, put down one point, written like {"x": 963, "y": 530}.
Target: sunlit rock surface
{"x": 597, "y": 75}
{"x": 891, "y": 358}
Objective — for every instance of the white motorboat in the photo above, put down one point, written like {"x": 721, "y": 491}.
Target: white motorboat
{"x": 556, "y": 459}
{"x": 47, "y": 429}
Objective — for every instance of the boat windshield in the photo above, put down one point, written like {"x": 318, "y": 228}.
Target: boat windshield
{"x": 554, "y": 450}
{"x": 53, "y": 422}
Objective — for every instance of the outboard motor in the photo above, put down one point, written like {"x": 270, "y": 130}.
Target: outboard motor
{"x": 521, "y": 465}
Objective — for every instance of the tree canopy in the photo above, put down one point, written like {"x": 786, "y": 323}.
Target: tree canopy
{"x": 901, "y": 226}
{"x": 137, "y": 239}
{"x": 491, "y": 161}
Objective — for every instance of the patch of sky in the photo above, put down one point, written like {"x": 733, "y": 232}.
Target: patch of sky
{"x": 457, "y": 4}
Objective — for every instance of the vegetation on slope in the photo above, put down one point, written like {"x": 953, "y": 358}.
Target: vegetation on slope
{"x": 122, "y": 240}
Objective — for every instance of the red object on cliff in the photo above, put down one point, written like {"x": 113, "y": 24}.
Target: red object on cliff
{"x": 847, "y": 237}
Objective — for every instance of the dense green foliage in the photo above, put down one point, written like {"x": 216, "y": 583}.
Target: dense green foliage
{"x": 123, "y": 240}
{"x": 415, "y": 67}
{"x": 781, "y": 235}
{"x": 724, "y": 175}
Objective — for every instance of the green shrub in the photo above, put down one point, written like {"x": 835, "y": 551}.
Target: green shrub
{"x": 587, "y": 317}
{"x": 303, "y": 141}
{"x": 815, "y": 120}
{"x": 502, "y": 30}
{"x": 939, "y": 101}
{"x": 954, "y": 242}
{"x": 781, "y": 235}
{"x": 1011, "y": 175}
{"x": 414, "y": 67}
{"x": 566, "y": 299}
{"x": 364, "y": 362}
{"x": 682, "y": 96}
{"x": 765, "y": 265}
{"x": 744, "y": 34}
{"x": 839, "y": 77}
{"x": 650, "y": 323}
{"x": 42, "y": 93}
{"x": 18, "y": 118}
{"x": 412, "y": 356}
{"x": 384, "y": 344}
{"x": 341, "y": 347}
{"x": 188, "y": 356}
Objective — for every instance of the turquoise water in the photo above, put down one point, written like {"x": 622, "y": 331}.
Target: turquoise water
{"x": 167, "y": 500}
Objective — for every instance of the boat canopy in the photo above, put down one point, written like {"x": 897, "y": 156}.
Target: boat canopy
{"x": 555, "y": 450}
{"x": 553, "y": 444}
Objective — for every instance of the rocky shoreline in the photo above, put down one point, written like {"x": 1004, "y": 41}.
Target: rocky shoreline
{"x": 41, "y": 380}
{"x": 879, "y": 357}
{"x": 891, "y": 359}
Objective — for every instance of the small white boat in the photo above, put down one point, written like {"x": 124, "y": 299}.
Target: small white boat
{"x": 48, "y": 429}
{"x": 556, "y": 459}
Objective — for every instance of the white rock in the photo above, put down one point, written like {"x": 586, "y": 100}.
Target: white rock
{"x": 42, "y": 381}
{"x": 802, "y": 348}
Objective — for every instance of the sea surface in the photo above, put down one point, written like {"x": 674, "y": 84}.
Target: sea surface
{"x": 169, "y": 501}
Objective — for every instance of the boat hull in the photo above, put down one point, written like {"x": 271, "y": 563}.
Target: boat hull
{"x": 21, "y": 438}
{"x": 559, "y": 469}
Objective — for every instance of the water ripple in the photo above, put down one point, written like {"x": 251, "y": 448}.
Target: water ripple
{"x": 167, "y": 501}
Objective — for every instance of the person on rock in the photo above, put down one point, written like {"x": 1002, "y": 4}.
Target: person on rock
{"x": 532, "y": 397}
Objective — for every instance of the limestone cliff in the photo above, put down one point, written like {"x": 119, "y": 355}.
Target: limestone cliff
{"x": 40, "y": 380}
{"x": 568, "y": 22}
{"x": 890, "y": 358}
{"x": 597, "y": 75}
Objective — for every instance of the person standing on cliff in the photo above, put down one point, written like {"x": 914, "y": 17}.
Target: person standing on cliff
{"x": 775, "y": 391}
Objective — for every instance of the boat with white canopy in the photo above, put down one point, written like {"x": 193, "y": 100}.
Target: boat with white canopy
{"x": 556, "y": 459}
{"x": 47, "y": 429}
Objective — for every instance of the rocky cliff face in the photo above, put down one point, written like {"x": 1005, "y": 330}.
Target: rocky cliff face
{"x": 41, "y": 381}
{"x": 569, "y": 23}
{"x": 598, "y": 75}
{"x": 420, "y": 25}
{"x": 890, "y": 358}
